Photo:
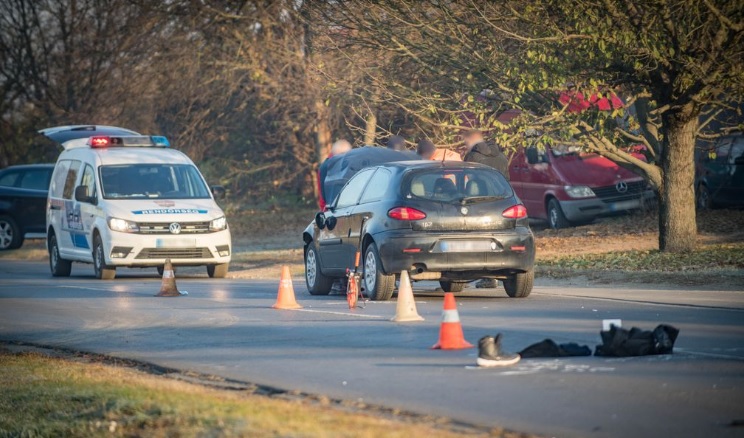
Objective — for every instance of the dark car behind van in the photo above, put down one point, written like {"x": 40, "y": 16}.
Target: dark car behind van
{"x": 719, "y": 174}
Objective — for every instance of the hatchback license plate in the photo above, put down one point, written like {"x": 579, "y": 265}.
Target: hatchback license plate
{"x": 467, "y": 245}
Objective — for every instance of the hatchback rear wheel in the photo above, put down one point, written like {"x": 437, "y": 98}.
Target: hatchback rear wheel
{"x": 378, "y": 285}
{"x": 519, "y": 285}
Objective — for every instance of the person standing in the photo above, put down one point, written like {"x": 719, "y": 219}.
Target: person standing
{"x": 478, "y": 150}
{"x": 426, "y": 150}
{"x": 340, "y": 147}
{"x": 396, "y": 143}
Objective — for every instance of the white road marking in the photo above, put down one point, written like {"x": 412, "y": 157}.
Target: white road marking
{"x": 534, "y": 367}
{"x": 359, "y": 315}
{"x": 85, "y": 288}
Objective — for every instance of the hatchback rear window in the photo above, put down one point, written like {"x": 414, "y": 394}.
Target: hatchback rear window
{"x": 461, "y": 185}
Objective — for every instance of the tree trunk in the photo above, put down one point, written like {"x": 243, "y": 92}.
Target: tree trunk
{"x": 677, "y": 226}
{"x": 370, "y": 131}
{"x": 322, "y": 140}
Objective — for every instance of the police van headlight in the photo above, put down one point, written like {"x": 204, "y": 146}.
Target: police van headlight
{"x": 579, "y": 191}
{"x": 122, "y": 225}
{"x": 218, "y": 224}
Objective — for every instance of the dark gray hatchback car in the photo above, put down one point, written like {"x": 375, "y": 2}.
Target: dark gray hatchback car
{"x": 449, "y": 221}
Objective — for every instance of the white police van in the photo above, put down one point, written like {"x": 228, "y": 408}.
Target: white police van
{"x": 121, "y": 199}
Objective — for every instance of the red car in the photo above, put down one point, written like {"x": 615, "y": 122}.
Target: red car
{"x": 566, "y": 187}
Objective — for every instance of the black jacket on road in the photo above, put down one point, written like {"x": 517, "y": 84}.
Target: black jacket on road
{"x": 490, "y": 155}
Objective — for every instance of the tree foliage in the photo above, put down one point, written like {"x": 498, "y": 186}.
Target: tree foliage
{"x": 256, "y": 90}
{"x": 677, "y": 64}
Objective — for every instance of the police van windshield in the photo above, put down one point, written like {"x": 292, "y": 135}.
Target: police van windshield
{"x": 152, "y": 181}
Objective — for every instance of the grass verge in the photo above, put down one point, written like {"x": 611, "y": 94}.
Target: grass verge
{"x": 49, "y": 396}
{"x": 724, "y": 256}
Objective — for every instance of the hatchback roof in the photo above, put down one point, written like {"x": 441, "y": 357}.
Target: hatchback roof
{"x": 432, "y": 164}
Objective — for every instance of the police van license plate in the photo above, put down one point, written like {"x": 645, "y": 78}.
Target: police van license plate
{"x": 175, "y": 243}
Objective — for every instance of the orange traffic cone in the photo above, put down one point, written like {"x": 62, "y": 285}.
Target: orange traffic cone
{"x": 450, "y": 331}
{"x": 405, "y": 310}
{"x": 168, "y": 286}
{"x": 285, "y": 299}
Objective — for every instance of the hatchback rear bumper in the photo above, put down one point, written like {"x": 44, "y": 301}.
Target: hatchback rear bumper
{"x": 427, "y": 255}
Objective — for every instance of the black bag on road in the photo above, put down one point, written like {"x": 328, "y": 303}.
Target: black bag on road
{"x": 619, "y": 342}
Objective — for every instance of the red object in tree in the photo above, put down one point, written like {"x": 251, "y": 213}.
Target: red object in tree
{"x": 577, "y": 102}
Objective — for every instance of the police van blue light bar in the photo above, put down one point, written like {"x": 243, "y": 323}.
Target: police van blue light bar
{"x": 157, "y": 141}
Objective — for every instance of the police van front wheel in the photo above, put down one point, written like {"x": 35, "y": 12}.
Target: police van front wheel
{"x": 103, "y": 272}
{"x": 217, "y": 271}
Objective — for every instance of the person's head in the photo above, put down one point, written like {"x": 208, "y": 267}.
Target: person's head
{"x": 425, "y": 149}
{"x": 340, "y": 147}
{"x": 471, "y": 138}
{"x": 396, "y": 142}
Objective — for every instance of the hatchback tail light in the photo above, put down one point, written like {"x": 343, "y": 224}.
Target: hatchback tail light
{"x": 515, "y": 212}
{"x": 406, "y": 214}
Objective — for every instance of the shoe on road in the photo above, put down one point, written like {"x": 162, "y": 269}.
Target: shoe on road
{"x": 490, "y": 354}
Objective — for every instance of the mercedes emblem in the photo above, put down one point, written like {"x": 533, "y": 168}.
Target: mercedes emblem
{"x": 621, "y": 187}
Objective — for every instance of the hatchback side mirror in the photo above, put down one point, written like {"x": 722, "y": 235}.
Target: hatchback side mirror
{"x": 81, "y": 195}
{"x": 320, "y": 220}
{"x": 218, "y": 192}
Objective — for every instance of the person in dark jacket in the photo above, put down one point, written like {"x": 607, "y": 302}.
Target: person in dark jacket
{"x": 478, "y": 150}
{"x": 338, "y": 148}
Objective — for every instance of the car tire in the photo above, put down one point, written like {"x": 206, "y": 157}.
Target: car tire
{"x": 103, "y": 272}
{"x": 317, "y": 283}
{"x": 452, "y": 286}
{"x": 703, "y": 201}
{"x": 59, "y": 266}
{"x": 378, "y": 285}
{"x": 556, "y": 218}
{"x": 217, "y": 271}
{"x": 10, "y": 235}
{"x": 519, "y": 285}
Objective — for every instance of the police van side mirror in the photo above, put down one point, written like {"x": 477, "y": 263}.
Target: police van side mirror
{"x": 218, "y": 192}
{"x": 81, "y": 195}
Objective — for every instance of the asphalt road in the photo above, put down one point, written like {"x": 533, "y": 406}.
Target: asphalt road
{"x": 227, "y": 328}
